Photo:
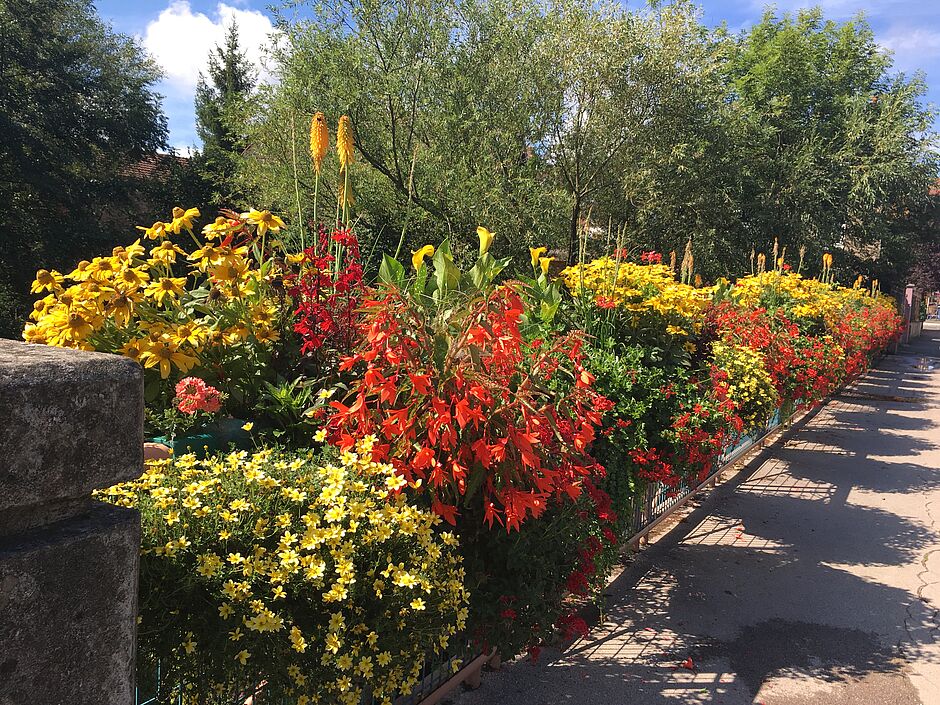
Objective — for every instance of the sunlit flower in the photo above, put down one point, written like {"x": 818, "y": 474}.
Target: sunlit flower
{"x": 417, "y": 257}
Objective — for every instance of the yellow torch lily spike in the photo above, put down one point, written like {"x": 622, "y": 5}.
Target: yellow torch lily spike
{"x": 486, "y": 239}
{"x": 344, "y": 142}
{"x": 417, "y": 257}
{"x": 319, "y": 140}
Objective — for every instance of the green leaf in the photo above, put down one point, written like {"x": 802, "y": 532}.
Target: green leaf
{"x": 391, "y": 271}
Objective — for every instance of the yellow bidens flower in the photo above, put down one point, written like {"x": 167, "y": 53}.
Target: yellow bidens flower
{"x": 417, "y": 257}
{"x": 319, "y": 140}
{"x": 315, "y": 561}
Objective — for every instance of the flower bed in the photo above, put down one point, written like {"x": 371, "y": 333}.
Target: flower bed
{"x": 447, "y": 456}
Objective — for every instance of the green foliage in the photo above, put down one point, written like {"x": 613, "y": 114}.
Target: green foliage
{"x": 77, "y": 107}
{"x": 221, "y": 101}
{"x": 547, "y": 123}
{"x": 838, "y": 147}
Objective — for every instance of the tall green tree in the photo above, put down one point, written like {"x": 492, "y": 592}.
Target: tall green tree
{"x": 77, "y": 108}
{"x": 838, "y": 151}
{"x": 221, "y": 99}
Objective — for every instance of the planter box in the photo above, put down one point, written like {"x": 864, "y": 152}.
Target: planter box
{"x": 218, "y": 436}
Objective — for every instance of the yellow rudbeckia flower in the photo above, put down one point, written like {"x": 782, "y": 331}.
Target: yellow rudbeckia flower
{"x": 265, "y": 220}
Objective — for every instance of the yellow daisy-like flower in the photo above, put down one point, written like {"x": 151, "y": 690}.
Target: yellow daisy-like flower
{"x": 264, "y": 220}
{"x": 182, "y": 220}
{"x": 166, "y": 355}
{"x": 164, "y": 287}
{"x": 47, "y": 281}
{"x": 157, "y": 231}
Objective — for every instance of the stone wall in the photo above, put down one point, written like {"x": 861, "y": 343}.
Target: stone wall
{"x": 70, "y": 422}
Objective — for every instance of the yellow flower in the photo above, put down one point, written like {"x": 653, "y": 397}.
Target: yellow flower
{"x": 344, "y": 142}
{"x": 298, "y": 643}
{"x": 164, "y": 287}
{"x": 486, "y": 239}
{"x": 243, "y": 656}
{"x": 226, "y": 611}
{"x": 218, "y": 227}
{"x": 165, "y": 253}
{"x": 47, "y": 281}
{"x": 319, "y": 139}
{"x": 265, "y": 220}
{"x": 536, "y": 253}
{"x": 165, "y": 354}
{"x": 155, "y": 232}
{"x": 182, "y": 220}
{"x": 248, "y": 426}
{"x": 131, "y": 278}
{"x": 189, "y": 645}
{"x": 544, "y": 263}
{"x": 417, "y": 604}
{"x": 417, "y": 257}
{"x": 134, "y": 348}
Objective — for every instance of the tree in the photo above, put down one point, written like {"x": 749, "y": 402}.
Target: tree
{"x": 838, "y": 152}
{"x": 77, "y": 107}
{"x": 221, "y": 99}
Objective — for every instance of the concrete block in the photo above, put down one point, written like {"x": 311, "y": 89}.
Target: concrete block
{"x": 68, "y": 606}
{"x": 70, "y": 422}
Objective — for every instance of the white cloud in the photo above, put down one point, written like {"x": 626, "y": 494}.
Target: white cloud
{"x": 912, "y": 48}
{"x": 180, "y": 40}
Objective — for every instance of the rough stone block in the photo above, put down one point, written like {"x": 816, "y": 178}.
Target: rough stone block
{"x": 68, "y": 606}
{"x": 70, "y": 422}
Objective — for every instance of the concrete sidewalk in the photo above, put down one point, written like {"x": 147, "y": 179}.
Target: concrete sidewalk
{"x": 811, "y": 577}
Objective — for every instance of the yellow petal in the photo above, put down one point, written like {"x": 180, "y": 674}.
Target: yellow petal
{"x": 417, "y": 257}
{"x": 536, "y": 253}
{"x": 486, "y": 239}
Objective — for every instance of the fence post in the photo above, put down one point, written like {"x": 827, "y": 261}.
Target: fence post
{"x": 70, "y": 422}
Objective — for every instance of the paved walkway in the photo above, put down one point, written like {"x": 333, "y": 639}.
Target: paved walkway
{"x": 811, "y": 577}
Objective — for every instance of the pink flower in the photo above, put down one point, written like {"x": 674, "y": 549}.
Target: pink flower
{"x": 193, "y": 394}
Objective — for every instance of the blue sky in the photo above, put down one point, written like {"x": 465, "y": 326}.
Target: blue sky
{"x": 179, "y": 34}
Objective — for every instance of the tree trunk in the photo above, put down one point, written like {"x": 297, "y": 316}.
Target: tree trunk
{"x": 573, "y": 231}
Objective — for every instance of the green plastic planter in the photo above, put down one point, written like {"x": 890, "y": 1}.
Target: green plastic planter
{"x": 217, "y": 436}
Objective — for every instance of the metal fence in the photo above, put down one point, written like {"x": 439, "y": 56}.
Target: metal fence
{"x": 656, "y": 501}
